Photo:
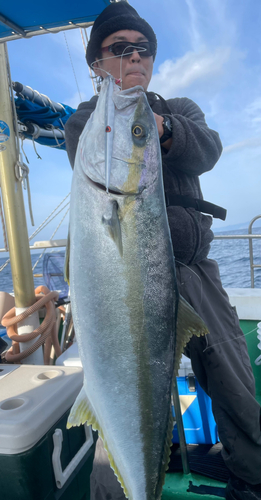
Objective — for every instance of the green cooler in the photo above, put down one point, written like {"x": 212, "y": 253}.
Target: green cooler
{"x": 39, "y": 458}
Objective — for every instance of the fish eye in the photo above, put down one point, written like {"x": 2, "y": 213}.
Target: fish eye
{"x": 137, "y": 131}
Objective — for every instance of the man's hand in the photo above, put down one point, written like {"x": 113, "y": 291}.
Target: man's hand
{"x": 159, "y": 122}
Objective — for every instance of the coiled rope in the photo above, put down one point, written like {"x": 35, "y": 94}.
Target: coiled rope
{"x": 47, "y": 330}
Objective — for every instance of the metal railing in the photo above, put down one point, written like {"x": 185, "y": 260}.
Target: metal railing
{"x": 44, "y": 244}
{"x": 252, "y": 265}
{"x": 250, "y": 236}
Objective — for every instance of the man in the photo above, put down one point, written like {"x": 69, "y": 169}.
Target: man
{"x": 124, "y": 45}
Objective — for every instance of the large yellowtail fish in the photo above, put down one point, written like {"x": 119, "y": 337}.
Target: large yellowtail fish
{"x": 131, "y": 323}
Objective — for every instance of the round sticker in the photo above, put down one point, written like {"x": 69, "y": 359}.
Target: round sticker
{"x": 4, "y": 132}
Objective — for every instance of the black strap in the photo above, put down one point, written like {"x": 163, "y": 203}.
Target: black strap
{"x": 152, "y": 98}
{"x": 179, "y": 200}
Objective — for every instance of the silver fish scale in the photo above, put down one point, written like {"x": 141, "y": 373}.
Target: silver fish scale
{"x": 124, "y": 306}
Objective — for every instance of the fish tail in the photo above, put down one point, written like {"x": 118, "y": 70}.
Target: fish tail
{"x": 83, "y": 412}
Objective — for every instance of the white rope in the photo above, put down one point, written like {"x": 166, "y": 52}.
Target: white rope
{"x": 22, "y": 147}
{"x": 58, "y": 144}
{"x": 36, "y": 93}
{"x": 61, "y": 122}
{"x": 37, "y": 154}
{"x": 55, "y": 138}
{"x": 22, "y": 175}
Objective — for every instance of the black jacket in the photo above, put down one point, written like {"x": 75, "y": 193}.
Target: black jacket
{"x": 195, "y": 149}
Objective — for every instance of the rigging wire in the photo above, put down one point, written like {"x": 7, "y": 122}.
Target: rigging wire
{"x": 44, "y": 224}
{"x": 4, "y": 265}
{"x": 72, "y": 66}
{"x": 85, "y": 47}
{"x": 83, "y": 41}
{"x": 55, "y": 231}
{"x": 42, "y": 227}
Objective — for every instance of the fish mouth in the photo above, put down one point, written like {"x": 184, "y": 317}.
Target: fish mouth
{"x": 129, "y": 162}
{"x": 115, "y": 191}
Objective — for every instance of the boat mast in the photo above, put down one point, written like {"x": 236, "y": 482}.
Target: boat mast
{"x": 13, "y": 203}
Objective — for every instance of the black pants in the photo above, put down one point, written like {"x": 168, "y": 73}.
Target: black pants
{"x": 221, "y": 364}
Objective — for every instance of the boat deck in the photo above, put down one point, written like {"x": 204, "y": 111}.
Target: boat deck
{"x": 205, "y": 459}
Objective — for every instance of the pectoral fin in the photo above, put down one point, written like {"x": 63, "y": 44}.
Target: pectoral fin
{"x": 112, "y": 225}
{"x": 188, "y": 323}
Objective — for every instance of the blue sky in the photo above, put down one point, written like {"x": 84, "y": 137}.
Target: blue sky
{"x": 209, "y": 51}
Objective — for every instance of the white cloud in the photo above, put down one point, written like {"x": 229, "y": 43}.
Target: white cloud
{"x": 252, "y": 142}
{"x": 176, "y": 75}
{"x": 195, "y": 35}
{"x": 253, "y": 113}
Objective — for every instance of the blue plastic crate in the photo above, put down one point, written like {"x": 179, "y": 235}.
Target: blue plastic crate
{"x": 198, "y": 420}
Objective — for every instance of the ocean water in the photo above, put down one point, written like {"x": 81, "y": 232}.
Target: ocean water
{"x": 6, "y": 282}
{"x": 231, "y": 255}
{"x": 233, "y": 259}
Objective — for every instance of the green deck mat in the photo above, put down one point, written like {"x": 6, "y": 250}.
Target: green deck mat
{"x": 249, "y": 328}
{"x": 191, "y": 486}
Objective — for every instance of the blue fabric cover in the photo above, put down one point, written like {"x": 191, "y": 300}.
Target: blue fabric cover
{"x": 31, "y": 15}
{"x": 43, "y": 116}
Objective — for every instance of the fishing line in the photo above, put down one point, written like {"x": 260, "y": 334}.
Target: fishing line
{"x": 206, "y": 337}
{"x": 230, "y": 340}
{"x": 72, "y": 66}
{"x": 141, "y": 49}
{"x": 191, "y": 270}
{"x": 101, "y": 69}
{"x": 138, "y": 48}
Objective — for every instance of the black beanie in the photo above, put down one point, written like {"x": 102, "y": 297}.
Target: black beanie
{"x": 117, "y": 16}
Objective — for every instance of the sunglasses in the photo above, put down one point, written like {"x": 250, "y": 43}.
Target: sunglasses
{"x": 145, "y": 49}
